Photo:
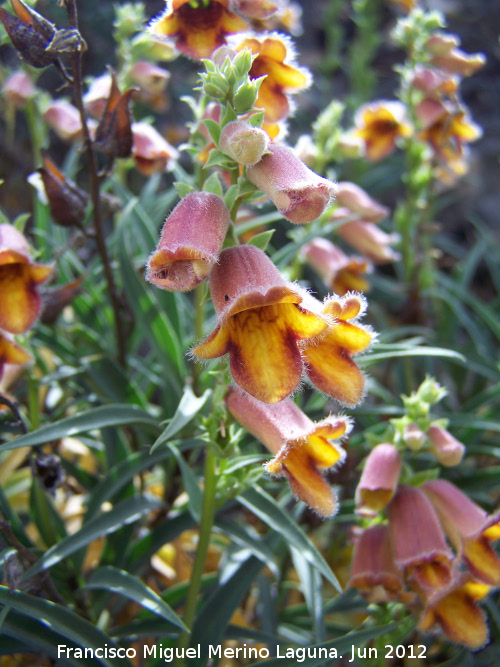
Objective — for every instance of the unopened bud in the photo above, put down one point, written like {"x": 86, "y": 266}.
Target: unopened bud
{"x": 243, "y": 142}
{"x": 447, "y": 449}
{"x": 245, "y": 96}
{"x": 413, "y": 437}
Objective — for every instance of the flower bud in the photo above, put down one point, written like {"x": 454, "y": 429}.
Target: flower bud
{"x": 190, "y": 242}
{"x": 298, "y": 193}
{"x": 379, "y": 480}
{"x": 245, "y": 96}
{"x": 413, "y": 437}
{"x": 243, "y": 142}
{"x": 151, "y": 78}
{"x": 447, "y": 449}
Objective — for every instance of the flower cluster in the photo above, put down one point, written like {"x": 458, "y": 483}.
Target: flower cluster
{"x": 434, "y": 550}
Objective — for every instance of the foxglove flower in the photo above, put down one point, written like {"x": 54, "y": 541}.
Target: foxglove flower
{"x": 298, "y": 193}
{"x": 418, "y": 540}
{"x": 190, "y": 242}
{"x": 260, "y": 322}
{"x": 200, "y": 27}
{"x": 302, "y": 448}
{"x": 374, "y": 572}
{"x": 447, "y": 449}
{"x": 380, "y": 125}
{"x": 468, "y": 528}
{"x": 328, "y": 359}
{"x": 151, "y": 152}
{"x": 11, "y": 353}
{"x": 368, "y": 239}
{"x": 340, "y": 273}
{"x": 243, "y": 142}
{"x": 274, "y": 60}
{"x": 20, "y": 302}
{"x": 457, "y": 613}
{"x": 379, "y": 480}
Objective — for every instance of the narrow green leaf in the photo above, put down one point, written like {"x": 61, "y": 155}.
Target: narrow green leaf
{"x": 213, "y": 185}
{"x": 125, "y": 512}
{"x": 372, "y": 357}
{"x": 242, "y": 536}
{"x": 217, "y": 158}
{"x": 214, "y": 616}
{"x": 123, "y": 583}
{"x": 342, "y": 646}
{"x": 183, "y": 189}
{"x": 267, "y": 509}
{"x": 101, "y": 417}
{"x": 189, "y": 406}
{"x": 262, "y": 240}
{"x": 68, "y": 624}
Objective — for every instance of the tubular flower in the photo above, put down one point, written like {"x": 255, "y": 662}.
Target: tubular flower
{"x": 357, "y": 201}
{"x": 445, "y": 54}
{"x": 328, "y": 360}
{"x": 190, "y": 242}
{"x": 340, "y": 273}
{"x": 468, "y": 528}
{"x": 447, "y": 449}
{"x": 151, "y": 152}
{"x": 456, "y": 612}
{"x": 198, "y": 27}
{"x": 379, "y": 480}
{"x": 298, "y": 193}
{"x": 19, "y": 88}
{"x": 374, "y": 571}
{"x": 379, "y": 125}
{"x": 64, "y": 119}
{"x": 446, "y": 129}
{"x": 301, "y": 447}
{"x": 260, "y": 321}
{"x": 434, "y": 83}
{"x": 418, "y": 540}
{"x": 274, "y": 60}
{"x": 243, "y": 142}
{"x": 20, "y": 302}
{"x": 368, "y": 239}
{"x": 11, "y": 353}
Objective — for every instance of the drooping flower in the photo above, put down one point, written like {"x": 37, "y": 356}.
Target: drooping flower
{"x": 368, "y": 239}
{"x": 298, "y": 193}
{"x": 20, "y": 302}
{"x": 356, "y": 200}
{"x": 302, "y": 448}
{"x": 190, "y": 242}
{"x": 152, "y": 81}
{"x": 340, "y": 273}
{"x": 446, "y": 128}
{"x": 456, "y": 611}
{"x": 11, "y": 353}
{"x": 468, "y": 528}
{"x": 151, "y": 152}
{"x": 96, "y": 97}
{"x": 328, "y": 360}
{"x": 260, "y": 321}
{"x": 435, "y": 83}
{"x": 445, "y": 55}
{"x": 274, "y": 60}
{"x": 198, "y": 27}
{"x": 379, "y": 480}
{"x": 418, "y": 540}
{"x": 447, "y": 449}
{"x": 374, "y": 572}
{"x": 379, "y": 125}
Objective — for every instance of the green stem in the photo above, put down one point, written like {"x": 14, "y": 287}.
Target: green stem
{"x": 206, "y": 523}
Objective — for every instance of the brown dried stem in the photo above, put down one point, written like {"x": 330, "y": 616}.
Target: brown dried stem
{"x": 76, "y": 61}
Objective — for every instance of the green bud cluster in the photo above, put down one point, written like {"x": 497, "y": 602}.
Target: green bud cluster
{"x": 414, "y": 30}
{"x": 227, "y": 80}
